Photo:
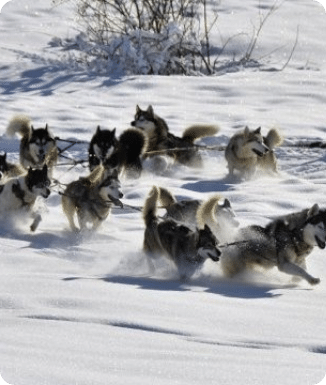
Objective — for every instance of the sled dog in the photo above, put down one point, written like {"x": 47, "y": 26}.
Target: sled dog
{"x": 162, "y": 141}
{"x": 91, "y": 198}
{"x": 284, "y": 243}
{"x": 37, "y": 146}
{"x": 186, "y": 248}
{"x": 9, "y": 170}
{"x": 216, "y": 212}
{"x": 249, "y": 150}
{"x": 20, "y": 193}
{"x": 101, "y": 147}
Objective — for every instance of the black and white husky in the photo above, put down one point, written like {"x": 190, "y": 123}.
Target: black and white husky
{"x": 284, "y": 243}
{"x": 21, "y": 194}
{"x": 101, "y": 147}
{"x": 37, "y": 146}
{"x": 186, "y": 248}
{"x": 162, "y": 141}
{"x": 91, "y": 198}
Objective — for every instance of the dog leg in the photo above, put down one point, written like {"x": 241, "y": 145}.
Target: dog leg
{"x": 297, "y": 271}
{"x": 36, "y": 222}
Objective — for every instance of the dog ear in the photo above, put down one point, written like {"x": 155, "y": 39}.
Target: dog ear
{"x": 226, "y": 203}
{"x": 314, "y": 210}
{"x": 150, "y": 110}
{"x": 137, "y": 109}
{"x": 113, "y": 132}
{"x": 46, "y": 127}
{"x": 258, "y": 130}
{"x": 246, "y": 131}
{"x": 32, "y": 128}
{"x": 98, "y": 129}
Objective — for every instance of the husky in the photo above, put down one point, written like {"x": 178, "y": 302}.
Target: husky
{"x": 21, "y": 193}
{"x": 127, "y": 157}
{"x": 37, "y": 146}
{"x": 186, "y": 248}
{"x": 91, "y": 198}
{"x": 216, "y": 212}
{"x": 284, "y": 243}
{"x": 249, "y": 150}
{"x": 160, "y": 140}
{"x": 101, "y": 147}
{"x": 9, "y": 170}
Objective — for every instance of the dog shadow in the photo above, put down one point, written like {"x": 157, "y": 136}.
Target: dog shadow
{"x": 225, "y": 288}
{"x": 224, "y": 184}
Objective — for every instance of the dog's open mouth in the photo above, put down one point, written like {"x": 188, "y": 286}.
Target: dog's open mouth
{"x": 321, "y": 244}
{"x": 214, "y": 254}
{"x": 259, "y": 153}
{"x": 115, "y": 201}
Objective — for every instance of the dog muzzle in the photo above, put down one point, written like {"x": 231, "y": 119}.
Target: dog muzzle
{"x": 321, "y": 244}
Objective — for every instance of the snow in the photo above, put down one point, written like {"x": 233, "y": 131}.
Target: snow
{"x": 83, "y": 309}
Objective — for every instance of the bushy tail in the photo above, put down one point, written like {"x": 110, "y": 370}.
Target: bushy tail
{"x": 19, "y": 124}
{"x": 199, "y": 131}
{"x": 205, "y": 212}
{"x": 166, "y": 198}
{"x": 150, "y": 206}
{"x": 132, "y": 144}
{"x": 274, "y": 138}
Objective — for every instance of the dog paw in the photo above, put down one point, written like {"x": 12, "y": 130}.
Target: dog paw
{"x": 314, "y": 281}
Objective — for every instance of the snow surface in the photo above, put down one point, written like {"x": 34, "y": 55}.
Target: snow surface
{"x": 84, "y": 310}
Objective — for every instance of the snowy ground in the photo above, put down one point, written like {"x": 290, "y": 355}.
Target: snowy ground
{"x": 83, "y": 310}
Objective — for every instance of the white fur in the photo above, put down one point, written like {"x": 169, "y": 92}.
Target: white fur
{"x": 310, "y": 233}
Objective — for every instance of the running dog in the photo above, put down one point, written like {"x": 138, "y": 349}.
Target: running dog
{"x": 21, "y": 193}
{"x": 161, "y": 141}
{"x": 91, "y": 198}
{"x": 186, "y": 248}
{"x": 37, "y": 146}
{"x": 284, "y": 243}
{"x": 249, "y": 150}
{"x": 9, "y": 170}
{"x": 216, "y": 212}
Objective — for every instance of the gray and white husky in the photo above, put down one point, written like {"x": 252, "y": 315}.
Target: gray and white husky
{"x": 161, "y": 141}
{"x": 216, "y": 212}
{"x": 186, "y": 248}
{"x": 284, "y": 243}
{"x": 37, "y": 146}
{"x": 249, "y": 150}
{"x": 21, "y": 193}
{"x": 91, "y": 198}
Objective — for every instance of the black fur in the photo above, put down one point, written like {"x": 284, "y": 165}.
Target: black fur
{"x": 106, "y": 141}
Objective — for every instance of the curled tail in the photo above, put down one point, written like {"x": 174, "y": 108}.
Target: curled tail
{"x": 273, "y": 138}
{"x": 19, "y": 124}
{"x": 199, "y": 131}
{"x": 150, "y": 206}
{"x": 166, "y": 198}
{"x": 205, "y": 212}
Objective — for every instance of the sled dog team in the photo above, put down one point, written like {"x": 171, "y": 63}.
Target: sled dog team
{"x": 191, "y": 231}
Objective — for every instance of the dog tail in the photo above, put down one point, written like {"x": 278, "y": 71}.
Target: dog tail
{"x": 199, "y": 131}
{"x": 132, "y": 144}
{"x": 166, "y": 198}
{"x": 205, "y": 212}
{"x": 19, "y": 124}
{"x": 273, "y": 139}
{"x": 150, "y": 206}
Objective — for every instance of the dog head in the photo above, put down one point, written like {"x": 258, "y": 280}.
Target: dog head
{"x": 207, "y": 244}
{"x": 254, "y": 141}
{"x": 144, "y": 119}
{"x": 225, "y": 214}
{"x": 314, "y": 233}
{"x": 110, "y": 189}
{"x": 38, "y": 182}
{"x": 104, "y": 142}
{"x": 41, "y": 143}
